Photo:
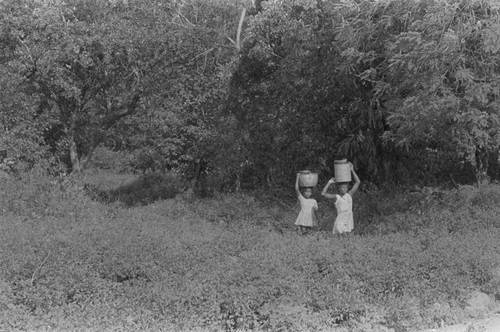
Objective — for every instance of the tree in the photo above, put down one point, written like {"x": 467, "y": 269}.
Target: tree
{"x": 433, "y": 67}
{"x": 92, "y": 64}
{"x": 185, "y": 127}
{"x": 291, "y": 93}
{"x": 402, "y": 88}
{"x": 21, "y": 127}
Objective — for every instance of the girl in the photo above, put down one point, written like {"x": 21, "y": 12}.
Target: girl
{"x": 307, "y": 217}
{"x": 344, "y": 223}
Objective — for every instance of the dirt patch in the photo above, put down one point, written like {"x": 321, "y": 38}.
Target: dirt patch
{"x": 489, "y": 324}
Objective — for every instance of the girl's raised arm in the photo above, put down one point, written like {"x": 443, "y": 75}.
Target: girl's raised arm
{"x": 325, "y": 189}
{"x": 357, "y": 182}
{"x": 297, "y": 191}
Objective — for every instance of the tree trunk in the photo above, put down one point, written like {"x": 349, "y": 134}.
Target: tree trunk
{"x": 76, "y": 164}
{"x": 482, "y": 160}
{"x": 240, "y": 25}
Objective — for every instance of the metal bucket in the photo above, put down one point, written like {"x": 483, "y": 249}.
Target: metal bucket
{"x": 308, "y": 179}
{"x": 342, "y": 171}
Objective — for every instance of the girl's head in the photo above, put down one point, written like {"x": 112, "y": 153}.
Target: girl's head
{"x": 343, "y": 187}
{"x": 307, "y": 192}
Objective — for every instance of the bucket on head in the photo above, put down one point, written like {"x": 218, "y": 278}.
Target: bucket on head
{"x": 308, "y": 179}
{"x": 342, "y": 171}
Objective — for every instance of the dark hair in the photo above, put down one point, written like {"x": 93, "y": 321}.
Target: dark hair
{"x": 303, "y": 189}
{"x": 343, "y": 183}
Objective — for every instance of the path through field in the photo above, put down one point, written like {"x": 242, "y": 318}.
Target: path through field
{"x": 490, "y": 324}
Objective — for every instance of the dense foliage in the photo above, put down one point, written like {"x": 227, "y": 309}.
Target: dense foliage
{"x": 230, "y": 94}
{"x": 245, "y": 93}
{"x": 400, "y": 87}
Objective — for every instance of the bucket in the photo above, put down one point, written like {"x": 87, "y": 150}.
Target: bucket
{"x": 342, "y": 171}
{"x": 308, "y": 179}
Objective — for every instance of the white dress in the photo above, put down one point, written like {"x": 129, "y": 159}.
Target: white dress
{"x": 306, "y": 216}
{"x": 345, "y": 220}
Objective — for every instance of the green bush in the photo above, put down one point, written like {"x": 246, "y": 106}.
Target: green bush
{"x": 148, "y": 188}
{"x": 104, "y": 158}
{"x": 132, "y": 191}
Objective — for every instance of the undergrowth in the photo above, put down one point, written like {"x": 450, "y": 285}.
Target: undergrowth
{"x": 235, "y": 263}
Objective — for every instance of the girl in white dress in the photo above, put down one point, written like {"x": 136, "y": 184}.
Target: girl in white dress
{"x": 344, "y": 223}
{"x": 307, "y": 218}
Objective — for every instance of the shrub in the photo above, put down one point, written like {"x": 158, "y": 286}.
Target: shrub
{"x": 104, "y": 158}
{"x": 133, "y": 191}
{"x": 148, "y": 189}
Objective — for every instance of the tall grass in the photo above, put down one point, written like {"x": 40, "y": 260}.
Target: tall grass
{"x": 234, "y": 263}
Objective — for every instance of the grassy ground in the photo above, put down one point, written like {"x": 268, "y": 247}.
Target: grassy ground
{"x": 235, "y": 263}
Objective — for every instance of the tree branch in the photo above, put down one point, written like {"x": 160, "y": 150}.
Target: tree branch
{"x": 240, "y": 25}
{"x": 38, "y": 268}
{"x": 109, "y": 122}
{"x": 129, "y": 109}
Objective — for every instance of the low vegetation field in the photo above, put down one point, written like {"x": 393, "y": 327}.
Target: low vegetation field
{"x": 111, "y": 259}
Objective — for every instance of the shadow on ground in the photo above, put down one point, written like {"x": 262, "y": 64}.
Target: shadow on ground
{"x": 145, "y": 190}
